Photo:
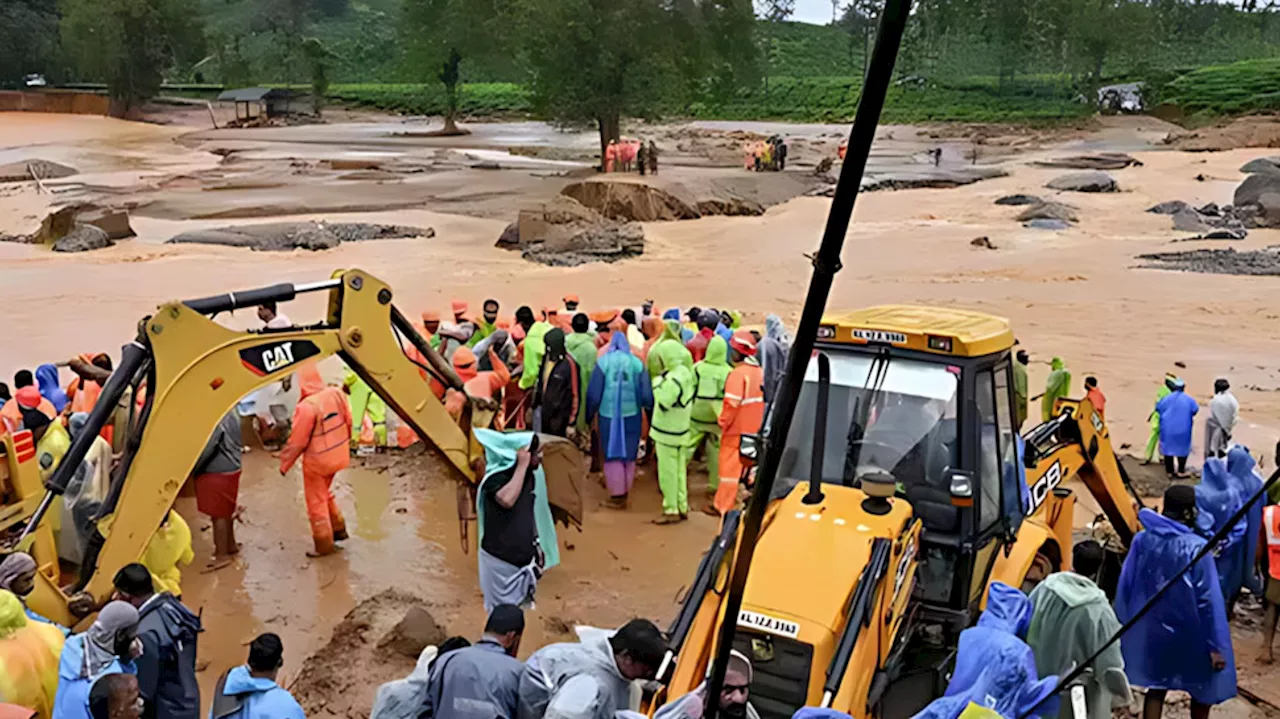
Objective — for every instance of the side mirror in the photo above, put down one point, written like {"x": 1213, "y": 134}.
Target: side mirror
{"x": 960, "y": 484}
{"x": 749, "y": 447}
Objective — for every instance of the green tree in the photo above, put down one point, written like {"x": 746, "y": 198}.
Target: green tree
{"x": 774, "y": 13}
{"x": 129, "y": 44}
{"x": 592, "y": 62}
{"x": 439, "y": 35}
{"x": 28, "y": 38}
{"x": 318, "y": 58}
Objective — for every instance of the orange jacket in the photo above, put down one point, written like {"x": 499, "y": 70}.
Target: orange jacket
{"x": 483, "y": 385}
{"x": 321, "y": 426}
{"x": 743, "y": 410}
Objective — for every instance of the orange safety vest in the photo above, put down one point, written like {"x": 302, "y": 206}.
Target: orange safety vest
{"x": 743, "y": 410}
{"x": 321, "y": 432}
{"x": 1271, "y": 524}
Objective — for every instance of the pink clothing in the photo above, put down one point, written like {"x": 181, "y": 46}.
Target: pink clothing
{"x": 619, "y": 476}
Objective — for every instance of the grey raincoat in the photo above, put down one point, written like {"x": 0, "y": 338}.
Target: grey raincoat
{"x": 574, "y": 681}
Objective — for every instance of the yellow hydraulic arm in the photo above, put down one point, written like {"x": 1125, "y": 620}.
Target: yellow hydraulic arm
{"x": 196, "y": 370}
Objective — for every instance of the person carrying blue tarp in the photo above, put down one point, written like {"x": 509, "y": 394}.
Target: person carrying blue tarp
{"x": 995, "y": 668}
{"x": 1183, "y": 643}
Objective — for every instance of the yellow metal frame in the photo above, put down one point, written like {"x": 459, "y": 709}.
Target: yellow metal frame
{"x": 199, "y": 376}
{"x": 799, "y": 549}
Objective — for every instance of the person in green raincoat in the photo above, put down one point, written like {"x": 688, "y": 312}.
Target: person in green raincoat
{"x": 364, "y": 401}
{"x": 1153, "y": 442}
{"x": 487, "y": 324}
{"x": 582, "y": 347}
{"x": 669, "y": 350}
{"x": 671, "y": 366}
{"x": 534, "y": 346}
{"x": 1055, "y": 386}
{"x": 704, "y": 421}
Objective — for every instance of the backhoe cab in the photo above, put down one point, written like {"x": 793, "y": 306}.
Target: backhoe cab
{"x": 901, "y": 494}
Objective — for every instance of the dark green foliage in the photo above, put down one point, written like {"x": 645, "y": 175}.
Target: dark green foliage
{"x": 28, "y": 39}
{"x": 129, "y": 44}
{"x": 1240, "y": 87}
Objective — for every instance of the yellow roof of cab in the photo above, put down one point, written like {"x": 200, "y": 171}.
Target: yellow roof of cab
{"x": 971, "y": 334}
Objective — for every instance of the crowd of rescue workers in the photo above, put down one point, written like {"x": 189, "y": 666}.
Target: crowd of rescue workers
{"x": 622, "y": 385}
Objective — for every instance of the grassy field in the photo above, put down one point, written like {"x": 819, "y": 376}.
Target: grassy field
{"x": 1233, "y": 89}
{"x": 482, "y": 99}
{"x": 822, "y": 99}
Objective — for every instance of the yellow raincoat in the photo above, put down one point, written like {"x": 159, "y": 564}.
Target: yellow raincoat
{"x": 29, "y": 655}
{"x": 170, "y": 547}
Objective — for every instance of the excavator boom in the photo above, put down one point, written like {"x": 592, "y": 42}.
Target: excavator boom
{"x": 196, "y": 370}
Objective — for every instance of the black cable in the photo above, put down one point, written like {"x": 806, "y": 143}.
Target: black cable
{"x": 1204, "y": 551}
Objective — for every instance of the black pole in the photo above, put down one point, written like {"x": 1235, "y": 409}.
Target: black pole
{"x": 826, "y": 263}
{"x": 815, "y": 495}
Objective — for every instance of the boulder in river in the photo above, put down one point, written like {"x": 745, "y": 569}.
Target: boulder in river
{"x": 930, "y": 178}
{"x": 280, "y": 236}
{"x": 1048, "y": 211}
{"x": 1018, "y": 200}
{"x": 1095, "y": 161}
{"x": 1261, "y": 164}
{"x": 83, "y": 238}
{"x": 564, "y": 233}
{"x": 1172, "y": 207}
{"x": 1047, "y": 224}
{"x": 1091, "y": 181}
{"x": 630, "y": 201}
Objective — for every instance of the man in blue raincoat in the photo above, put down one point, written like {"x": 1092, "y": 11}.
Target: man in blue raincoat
{"x": 1177, "y": 418}
{"x": 1184, "y": 642}
{"x": 1218, "y": 498}
{"x": 995, "y": 668}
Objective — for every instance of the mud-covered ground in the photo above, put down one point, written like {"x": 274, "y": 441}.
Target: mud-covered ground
{"x": 1078, "y": 293}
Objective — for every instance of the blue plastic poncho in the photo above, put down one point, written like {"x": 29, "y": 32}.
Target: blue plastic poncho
{"x": 816, "y": 713}
{"x": 994, "y": 667}
{"x": 499, "y": 453}
{"x": 1218, "y": 498}
{"x": 1169, "y": 648}
{"x": 1244, "y": 470}
{"x": 1177, "y": 417}
{"x": 47, "y": 381}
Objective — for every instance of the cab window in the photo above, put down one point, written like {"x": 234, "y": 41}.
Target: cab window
{"x": 1011, "y": 471}
{"x": 988, "y": 465}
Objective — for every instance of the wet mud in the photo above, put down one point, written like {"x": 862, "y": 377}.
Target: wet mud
{"x": 367, "y": 649}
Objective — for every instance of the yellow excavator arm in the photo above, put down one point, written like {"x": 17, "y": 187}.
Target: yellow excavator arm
{"x": 196, "y": 370}
{"x": 1075, "y": 443}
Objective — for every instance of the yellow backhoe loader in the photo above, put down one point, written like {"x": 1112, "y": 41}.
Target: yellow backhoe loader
{"x": 191, "y": 371}
{"x": 901, "y": 494}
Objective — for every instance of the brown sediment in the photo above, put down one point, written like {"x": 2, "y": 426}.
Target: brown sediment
{"x": 1074, "y": 293}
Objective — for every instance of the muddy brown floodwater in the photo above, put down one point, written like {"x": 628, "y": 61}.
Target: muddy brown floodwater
{"x": 1079, "y": 293}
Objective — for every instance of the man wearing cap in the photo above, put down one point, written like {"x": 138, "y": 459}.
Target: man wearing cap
{"x": 743, "y": 413}
{"x": 431, "y": 326}
{"x": 571, "y": 303}
{"x": 487, "y": 324}
{"x": 459, "y": 308}
{"x": 1177, "y": 418}
{"x": 1183, "y": 643}
{"x": 482, "y": 680}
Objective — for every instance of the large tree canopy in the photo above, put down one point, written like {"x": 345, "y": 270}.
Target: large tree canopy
{"x": 595, "y": 61}
{"x": 438, "y": 35}
{"x": 130, "y": 43}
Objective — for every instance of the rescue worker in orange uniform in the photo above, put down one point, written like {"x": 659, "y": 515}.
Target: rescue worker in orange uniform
{"x": 743, "y": 413}
{"x": 1271, "y": 536}
{"x": 320, "y": 435}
